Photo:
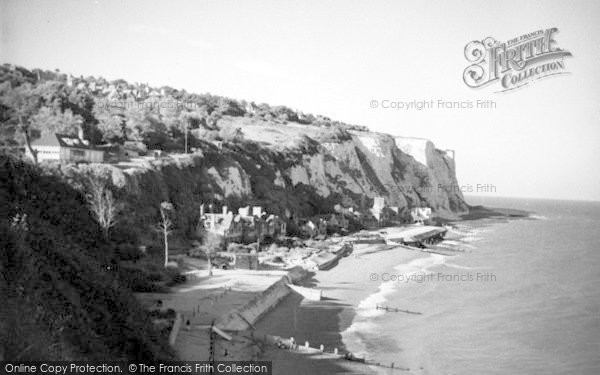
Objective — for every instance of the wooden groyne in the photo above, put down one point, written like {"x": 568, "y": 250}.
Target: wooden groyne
{"x": 394, "y": 309}
{"x": 335, "y": 354}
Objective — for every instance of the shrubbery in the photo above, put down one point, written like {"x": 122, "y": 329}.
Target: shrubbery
{"x": 64, "y": 294}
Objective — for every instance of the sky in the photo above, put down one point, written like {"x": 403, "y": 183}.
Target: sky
{"x": 336, "y": 57}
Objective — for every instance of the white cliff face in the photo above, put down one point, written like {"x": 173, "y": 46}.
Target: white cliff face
{"x": 406, "y": 172}
{"x": 318, "y": 178}
{"x": 409, "y": 172}
{"x": 298, "y": 174}
{"x": 419, "y": 148}
{"x": 233, "y": 181}
{"x": 373, "y": 144}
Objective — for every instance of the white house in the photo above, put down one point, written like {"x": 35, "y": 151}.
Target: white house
{"x": 420, "y": 214}
{"x": 66, "y": 149}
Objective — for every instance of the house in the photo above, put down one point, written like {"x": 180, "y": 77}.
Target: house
{"x": 420, "y": 214}
{"x": 276, "y": 227}
{"x": 312, "y": 229}
{"x": 225, "y": 225}
{"x": 253, "y": 223}
{"x": 309, "y": 229}
{"x": 245, "y": 227}
{"x": 65, "y": 149}
{"x": 378, "y": 210}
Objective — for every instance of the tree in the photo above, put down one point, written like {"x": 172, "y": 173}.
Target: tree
{"x": 51, "y": 120}
{"x": 111, "y": 123}
{"x": 165, "y": 226}
{"x": 23, "y": 103}
{"x": 136, "y": 120}
{"x": 211, "y": 242}
{"x": 102, "y": 204}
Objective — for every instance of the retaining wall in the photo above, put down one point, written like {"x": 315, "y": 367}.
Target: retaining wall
{"x": 244, "y": 317}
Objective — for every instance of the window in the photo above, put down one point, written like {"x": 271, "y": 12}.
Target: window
{"x": 77, "y": 154}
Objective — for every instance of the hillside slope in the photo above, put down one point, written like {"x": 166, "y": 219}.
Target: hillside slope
{"x": 60, "y": 296}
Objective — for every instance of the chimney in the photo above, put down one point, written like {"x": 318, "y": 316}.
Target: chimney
{"x": 80, "y": 133}
{"x": 224, "y": 210}
{"x": 202, "y": 210}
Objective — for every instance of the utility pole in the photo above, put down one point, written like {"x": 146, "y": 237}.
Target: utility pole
{"x": 186, "y": 137}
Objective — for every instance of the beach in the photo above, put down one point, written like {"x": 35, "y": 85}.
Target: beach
{"x": 446, "y": 313}
{"x": 346, "y": 289}
{"x": 520, "y": 298}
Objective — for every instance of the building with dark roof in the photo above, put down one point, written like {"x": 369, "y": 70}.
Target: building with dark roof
{"x": 65, "y": 149}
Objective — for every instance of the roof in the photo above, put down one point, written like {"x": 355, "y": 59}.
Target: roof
{"x": 61, "y": 140}
{"x": 46, "y": 140}
{"x": 222, "y": 222}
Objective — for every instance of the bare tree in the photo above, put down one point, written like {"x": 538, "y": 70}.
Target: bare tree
{"x": 102, "y": 204}
{"x": 212, "y": 242}
{"x": 165, "y": 226}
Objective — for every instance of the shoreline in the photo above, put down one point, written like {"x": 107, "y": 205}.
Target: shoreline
{"x": 345, "y": 287}
{"x": 329, "y": 321}
{"x": 326, "y": 322}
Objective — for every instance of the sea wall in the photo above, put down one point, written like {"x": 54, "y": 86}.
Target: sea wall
{"x": 244, "y": 317}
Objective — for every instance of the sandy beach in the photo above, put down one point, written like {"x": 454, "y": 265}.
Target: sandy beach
{"x": 322, "y": 323}
{"x": 352, "y": 285}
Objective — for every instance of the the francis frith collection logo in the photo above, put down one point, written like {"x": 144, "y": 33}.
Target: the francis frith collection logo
{"x": 514, "y": 63}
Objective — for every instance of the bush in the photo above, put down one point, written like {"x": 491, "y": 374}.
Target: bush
{"x": 127, "y": 251}
{"x": 139, "y": 281}
{"x": 174, "y": 277}
{"x": 229, "y": 133}
{"x": 62, "y": 301}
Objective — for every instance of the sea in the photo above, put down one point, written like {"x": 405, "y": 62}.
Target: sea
{"x": 520, "y": 296}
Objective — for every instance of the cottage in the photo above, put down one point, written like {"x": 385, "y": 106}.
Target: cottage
{"x": 312, "y": 229}
{"x": 225, "y": 225}
{"x": 65, "y": 149}
{"x": 309, "y": 229}
{"x": 276, "y": 227}
{"x": 420, "y": 214}
{"x": 253, "y": 223}
{"x": 378, "y": 210}
{"x": 245, "y": 227}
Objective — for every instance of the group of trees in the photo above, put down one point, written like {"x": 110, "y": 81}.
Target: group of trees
{"x": 106, "y": 209}
{"x": 61, "y": 297}
{"x": 36, "y": 102}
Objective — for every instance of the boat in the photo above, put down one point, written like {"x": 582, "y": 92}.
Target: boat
{"x": 324, "y": 260}
{"x": 344, "y": 250}
{"x": 416, "y": 235}
{"x": 308, "y": 293}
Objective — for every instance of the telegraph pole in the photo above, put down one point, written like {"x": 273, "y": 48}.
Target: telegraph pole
{"x": 186, "y": 137}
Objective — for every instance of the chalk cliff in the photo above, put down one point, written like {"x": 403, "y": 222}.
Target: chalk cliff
{"x": 299, "y": 169}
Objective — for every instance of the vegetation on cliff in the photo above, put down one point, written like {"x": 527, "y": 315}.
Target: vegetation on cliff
{"x": 64, "y": 294}
{"x": 37, "y": 102}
